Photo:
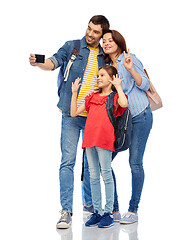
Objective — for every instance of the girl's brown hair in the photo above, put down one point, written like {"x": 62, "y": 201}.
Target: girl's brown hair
{"x": 119, "y": 40}
{"x": 111, "y": 71}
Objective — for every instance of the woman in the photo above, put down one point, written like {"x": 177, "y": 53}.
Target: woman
{"x": 134, "y": 85}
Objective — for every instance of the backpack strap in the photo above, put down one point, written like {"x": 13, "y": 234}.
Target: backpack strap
{"x": 62, "y": 74}
{"x": 76, "y": 47}
{"x": 75, "y": 53}
{"x": 110, "y": 110}
{"x": 83, "y": 156}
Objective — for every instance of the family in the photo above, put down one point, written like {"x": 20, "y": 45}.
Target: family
{"x": 94, "y": 74}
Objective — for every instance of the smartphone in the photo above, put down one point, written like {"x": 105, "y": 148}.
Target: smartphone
{"x": 40, "y": 58}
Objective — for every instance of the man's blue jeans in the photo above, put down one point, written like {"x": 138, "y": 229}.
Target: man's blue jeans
{"x": 142, "y": 125}
{"x": 70, "y": 133}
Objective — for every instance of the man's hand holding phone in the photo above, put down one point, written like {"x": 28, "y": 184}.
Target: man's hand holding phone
{"x": 35, "y": 59}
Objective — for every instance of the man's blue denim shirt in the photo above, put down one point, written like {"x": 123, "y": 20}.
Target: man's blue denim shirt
{"x": 78, "y": 67}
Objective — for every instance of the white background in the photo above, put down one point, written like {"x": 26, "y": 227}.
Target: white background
{"x": 30, "y": 121}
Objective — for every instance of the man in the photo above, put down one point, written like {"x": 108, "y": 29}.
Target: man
{"x": 85, "y": 66}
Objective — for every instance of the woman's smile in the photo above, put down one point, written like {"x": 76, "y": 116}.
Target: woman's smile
{"x": 108, "y": 45}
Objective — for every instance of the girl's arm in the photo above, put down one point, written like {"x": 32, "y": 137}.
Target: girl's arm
{"x": 74, "y": 110}
{"x": 122, "y": 100}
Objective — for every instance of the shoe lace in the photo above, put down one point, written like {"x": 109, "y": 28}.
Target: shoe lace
{"x": 64, "y": 215}
{"x": 93, "y": 214}
{"x": 127, "y": 215}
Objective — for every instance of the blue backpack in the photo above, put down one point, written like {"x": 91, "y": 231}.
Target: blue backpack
{"x": 64, "y": 70}
{"x": 122, "y": 125}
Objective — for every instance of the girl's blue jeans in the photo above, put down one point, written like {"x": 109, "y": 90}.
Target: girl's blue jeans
{"x": 99, "y": 160}
{"x": 141, "y": 127}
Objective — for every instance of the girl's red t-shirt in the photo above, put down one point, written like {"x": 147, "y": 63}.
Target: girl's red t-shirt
{"x": 99, "y": 131}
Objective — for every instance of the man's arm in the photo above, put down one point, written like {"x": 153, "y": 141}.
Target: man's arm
{"x": 48, "y": 65}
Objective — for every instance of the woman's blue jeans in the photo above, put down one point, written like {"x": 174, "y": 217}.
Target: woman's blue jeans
{"x": 70, "y": 133}
{"x": 141, "y": 126}
{"x": 99, "y": 160}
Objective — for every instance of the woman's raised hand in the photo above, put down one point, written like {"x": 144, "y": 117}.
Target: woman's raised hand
{"x": 76, "y": 85}
{"x": 128, "y": 62}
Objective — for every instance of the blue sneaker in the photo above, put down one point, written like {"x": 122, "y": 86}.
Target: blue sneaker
{"x": 106, "y": 221}
{"x": 94, "y": 220}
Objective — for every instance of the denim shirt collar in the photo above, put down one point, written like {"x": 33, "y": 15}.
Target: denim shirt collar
{"x": 84, "y": 44}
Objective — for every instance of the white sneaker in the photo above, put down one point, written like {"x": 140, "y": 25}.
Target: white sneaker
{"x": 65, "y": 220}
{"x": 128, "y": 218}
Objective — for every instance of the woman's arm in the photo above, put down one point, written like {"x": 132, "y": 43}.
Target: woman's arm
{"x": 128, "y": 63}
{"x": 74, "y": 110}
{"x": 135, "y": 68}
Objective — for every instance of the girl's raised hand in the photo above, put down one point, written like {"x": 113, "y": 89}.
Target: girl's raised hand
{"x": 128, "y": 62}
{"x": 76, "y": 85}
{"x": 116, "y": 81}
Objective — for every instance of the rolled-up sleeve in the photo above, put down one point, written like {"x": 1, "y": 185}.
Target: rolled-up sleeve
{"x": 54, "y": 60}
{"x": 138, "y": 66}
{"x": 61, "y": 56}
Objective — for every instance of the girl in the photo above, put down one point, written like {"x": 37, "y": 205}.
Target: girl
{"x": 134, "y": 85}
{"x": 98, "y": 139}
